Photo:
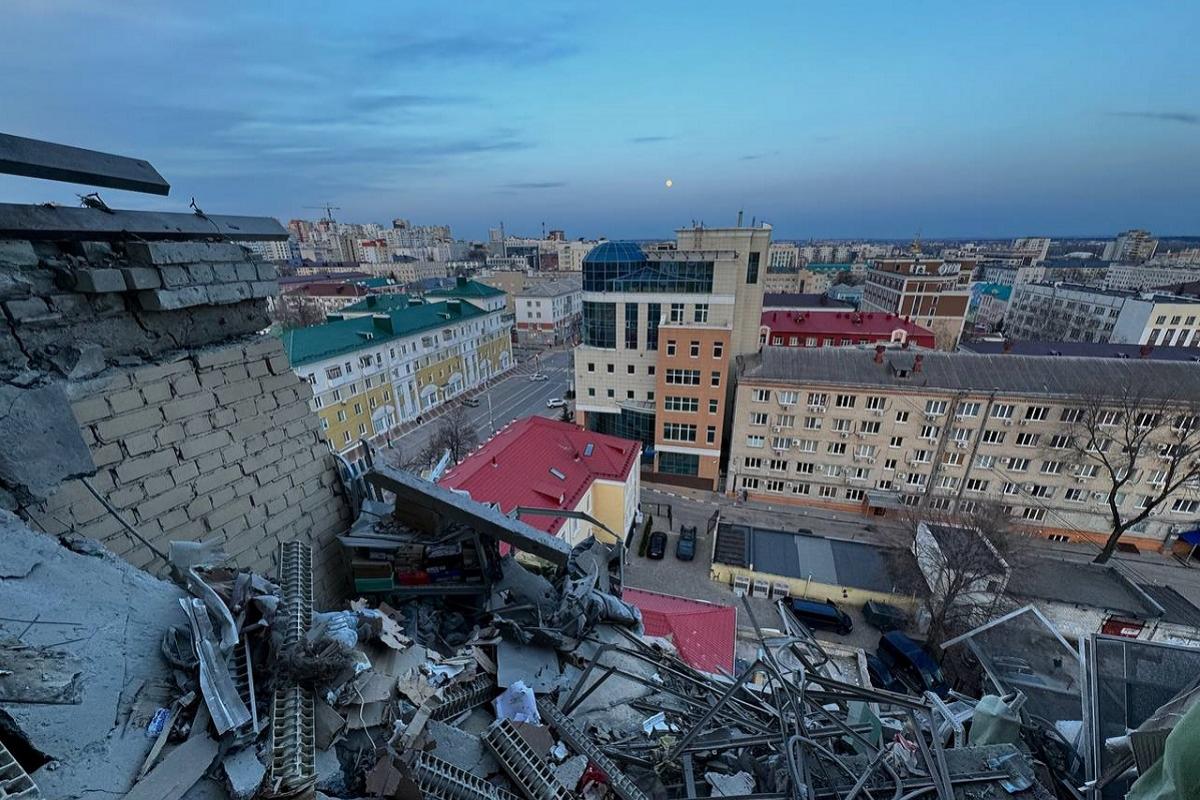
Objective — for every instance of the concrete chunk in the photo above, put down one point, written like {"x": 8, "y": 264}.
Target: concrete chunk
{"x": 17, "y": 253}
{"x": 40, "y": 442}
{"x": 173, "y": 299}
{"x": 159, "y": 253}
{"x": 225, "y": 293}
{"x": 138, "y": 278}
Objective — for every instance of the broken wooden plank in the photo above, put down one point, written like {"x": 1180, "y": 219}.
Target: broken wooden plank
{"x": 33, "y": 158}
{"x": 177, "y": 772}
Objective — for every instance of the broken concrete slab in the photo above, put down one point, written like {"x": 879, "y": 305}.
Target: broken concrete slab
{"x": 40, "y": 442}
{"x": 570, "y": 771}
{"x": 462, "y": 749}
{"x": 37, "y": 674}
{"x": 245, "y": 773}
{"x": 736, "y": 785}
{"x": 536, "y": 666}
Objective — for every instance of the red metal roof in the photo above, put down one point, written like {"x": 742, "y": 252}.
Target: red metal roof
{"x": 858, "y": 324}
{"x": 704, "y": 633}
{"x": 518, "y": 466}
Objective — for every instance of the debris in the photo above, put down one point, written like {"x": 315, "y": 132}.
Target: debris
{"x": 739, "y": 783}
{"x": 224, "y": 703}
{"x": 570, "y": 771}
{"x": 177, "y": 772}
{"x": 518, "y": 704}
{"x": 244, "y": 772}
{"x": 38, "y": 675}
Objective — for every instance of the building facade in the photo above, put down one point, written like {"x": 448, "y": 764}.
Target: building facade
{"x": 1072, "y": 313}
{"x": 874, "y": 429}
{"x": 1148, "y": 276}
{"x": 373, "y": 372}
{"x": 930, "y": 291}
{"x": 549, "y": 312}
{"x": 1132, "y": 247}
{"x": 660, "y": 330}
{"x": 803, "y": 328}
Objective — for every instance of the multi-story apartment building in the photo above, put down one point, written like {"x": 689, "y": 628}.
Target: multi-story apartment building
{"x": 1132, "y": 247}
{"x": 872, "y": 429}
{"x": 660, "y": 330}
{"x": 549, "y": 312}
{"x": 930, "y": 291}
{"x": 808, "y": 278}
{"x": 1148, "y": 276}
{"x": 1072, "y": 313}
{"x": 571, "y": 254}
{"x": 375, "y": 371}
{"x": 484, "y": 297}
{"x": 991, "y": 304}
{"x": 804, "y": 328}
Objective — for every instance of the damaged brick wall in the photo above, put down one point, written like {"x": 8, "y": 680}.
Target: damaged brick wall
{"x": 193, "y": 422}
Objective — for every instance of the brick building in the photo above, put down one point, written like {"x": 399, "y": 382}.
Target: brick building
{"x": 932, "y": 292}
{"x": 802, "y": 328}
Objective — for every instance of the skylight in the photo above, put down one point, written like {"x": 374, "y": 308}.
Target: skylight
{"x": 588, "y": 448}
{"x": 557, "y": 473}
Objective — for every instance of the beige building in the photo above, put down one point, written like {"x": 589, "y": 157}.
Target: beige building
{"x": 872, "y": 429}
{"x": 932, "y": 292}
{"x": 661, "y": 328}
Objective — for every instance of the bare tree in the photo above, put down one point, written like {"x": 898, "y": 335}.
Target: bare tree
{"x": 1128, "y": 431}
{"x": 960, "y": 581}
{"x": 454, "y": 433}
{"x": 291, "y": 311}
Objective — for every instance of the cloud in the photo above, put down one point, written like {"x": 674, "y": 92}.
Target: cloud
{"x": 650, "y": 139}
{"x": 1185, "y": 117}
{"x": 530, "y": 48}
{"x": 757, "y": 156}
{"x": 387, "y": 101}
{"x": 535, "y": 185}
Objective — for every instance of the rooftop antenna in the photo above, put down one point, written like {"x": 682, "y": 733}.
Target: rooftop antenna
{"x": 329, "y": 209}
{"x": 916, "y": 244}
{"x": 739, "y": 218}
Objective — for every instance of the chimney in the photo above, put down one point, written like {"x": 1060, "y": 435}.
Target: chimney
{"x": 904, "y": 345}
{"x": 1145, "y": 350}
{"x": 494, "y": 464}
{"x": 460, "y": 281}
{"x": 879, "y": 353}
{"x": 1008, "y": 346}
{"x": 453, "y": 304}
{"x": 917, "y": 362}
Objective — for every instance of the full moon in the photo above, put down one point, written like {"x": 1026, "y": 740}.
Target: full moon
{"x": 670, "y": 183}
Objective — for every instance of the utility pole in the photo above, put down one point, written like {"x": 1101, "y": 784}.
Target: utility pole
{"x": 491, "y": 419}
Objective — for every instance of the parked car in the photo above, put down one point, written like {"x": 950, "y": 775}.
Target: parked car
{"x": 471, "y": 402}
{"x": 685, "y": 548}
{"x": 883, "y": 616}
{"x": 556, "y": 402}
{"x": 539, "y": 376}
{"x": 816, "y": 614}
{"x": 658, "y": 545}
{"x": 911, "y": 664}
{"x": 881, "y": 676}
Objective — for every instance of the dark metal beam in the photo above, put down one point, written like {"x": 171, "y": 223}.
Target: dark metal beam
{"x": 409, "y": 489}
{"x": 33, "y": 158}
{"x": 59, "y": 223}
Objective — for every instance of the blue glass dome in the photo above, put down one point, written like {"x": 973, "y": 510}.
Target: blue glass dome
{"x": 615, "y": 252}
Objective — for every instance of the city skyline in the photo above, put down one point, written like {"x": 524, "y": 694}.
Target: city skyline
{"x": 827, "y": 123}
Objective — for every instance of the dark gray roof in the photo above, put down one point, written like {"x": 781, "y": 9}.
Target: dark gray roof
{"x": 1084, "y": 350}
{"x": 1083, "y": 584}
{"x": 834, "y": 562}
{"x": 1006, "y": 374}
{"x": 957, "y": 542}
{"x": 806, "y": 300}
{"x": 1177, "y": 609}
{"x": 552, "y": 288}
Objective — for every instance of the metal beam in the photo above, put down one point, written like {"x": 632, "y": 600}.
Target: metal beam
{"x": 60, "y": 223}
{"x": 453, "y": 506}
{"x": 34, "y": 158}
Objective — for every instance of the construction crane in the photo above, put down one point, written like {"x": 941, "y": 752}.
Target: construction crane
{"x": 328, "y": 209}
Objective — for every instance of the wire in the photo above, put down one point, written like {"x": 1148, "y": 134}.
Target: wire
{"x": 117, "y": 515}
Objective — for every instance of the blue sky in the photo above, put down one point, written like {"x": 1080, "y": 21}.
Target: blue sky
{"x": 826, "y": 119}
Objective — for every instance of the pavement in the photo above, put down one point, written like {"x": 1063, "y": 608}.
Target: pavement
{"x": 512, "y": 395}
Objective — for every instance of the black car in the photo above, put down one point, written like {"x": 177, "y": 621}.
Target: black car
{"x": 910, "y": 663}
{"x": 883, "y": 616}
{"x": 685, "y": 548}
{"x": 817, "y": 614}
{"x": 658, "y": 545}
{"x": 881, "y": 675}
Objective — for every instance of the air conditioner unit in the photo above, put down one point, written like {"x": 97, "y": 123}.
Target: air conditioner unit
{"x": 961, "y": 444}
{"x": 776, "y": 429}
{"x": 844, "y": 434}
{"x": 1007, "y": 423}
{"x": 1098, "y": 495}
{"x": 900, "y": 476}
{"x": 870, "y": 459}
{"x": 877, "y": 412}
{"x": 1024, "y": 421}
{"x": 930, "y": 415}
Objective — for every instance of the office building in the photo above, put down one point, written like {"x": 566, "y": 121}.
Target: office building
{"x": 1069, "y": 312}
{"x": 873, "y": 429}
{"x": 932, "y": 292}
{"x": 549, "y": 312}
{"x": 660, "y": 330}
{"x": 1131, "y": 247}
{"x": 373, "y": 372}
{"x": 1148, "y": 276}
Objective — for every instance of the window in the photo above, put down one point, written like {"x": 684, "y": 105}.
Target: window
{"x": 710, "y": 434}
{"x": 611, "y": 368}
{"x": 977, "y": 485}
{"x": 922, "y": 456}
{"x": 1018, "y": 464}
{"x": 1059, "y": 442}
{"x": 985, "y": 462}
{"x": 836, "y": 448}
{"x": 346, "y": 437}
{"x": 685, "y": 404}
{"x": 841, "y": 425}
{"x": 1037, "y": 490}
{"x": 1028, "y": 439}
{"x": 700, "y": 312}
{"x": 629, "y": 394}
{"x": 630, "y": 369}
{"x": 854, "y": 494}
{"x": 948, "y": 482}
{"x": 801, "y": 488}
{"x": 749, "y": 483}
{"x": 753, "y": 463}
{"x": 718, "y": 349}
{"x": 788, "y": 398}
{"x": 1088, "y": 471}
{"x": 371, "y": 402}
{"x": 806, "y": 445}
{"x": 1052, "y": 467}
{"x": 591, "y": 391}
{"x": 1002, "y": 411}
{"x": 846, "y": 400}
{"x": 952, "y": 459}
{"x": 930, "y": 432}
{"x": 828, "y": 492}
{"x": 752, "y": 268}
{"x": 889, "y": 463}
{"x": 868, "y": 428}
{"x": 683, "y": 377}
{"x": 818, "y": 400}
{"x": 785, "y": 420}
{"x": 774, "y": 486}
{"x": 1071, "y": 415}
{"x": 679, "y": 463}
{"x": 993, "y": 437}
{"x": 1036, "y": 413}
{"x": 1011, "y": 488}
{"x": 1108, "y": 418}
{"x": 600, "y": 324}
{"x": 865, "y": 451}
{"x": 713, "y": 405}
{"x": 676, "y": 312}
{"x": 875, "y": 403}
{"x": 341, "y": 416}
{"x": 362, "y": 429}
{"x": 670, "y": 347}
{"x": 777, "y": 465}
{"x": 967, "y": 410}
{"x": 896, "y": 441}
{"x": 1184, "y": 506}
{"x": 755, "y": 441}
{"x": 324, "y": 424}
{"x": 653, "y": 317}
{"x": 694, "y": 350}
{"x": 780, "y": 443}
{"x": 650, "y": 370}
{"x": 758, "y": 418}
{"x": 333, "y": 372}
{"x": 631, "y": 326}
{"x": 935, "y": 408}
{"x": 812, "y": 423}
{"x": 610, "y": 393}
{"x": 1034, "y": 514}
{"x": 901, "y": 417}
{"x": 679, "y": 432}
{"x": 716, "y": 378}
{"x": 1075, "y": 496}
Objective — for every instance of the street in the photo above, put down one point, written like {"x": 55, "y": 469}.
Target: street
{"x": 512, "y": 397}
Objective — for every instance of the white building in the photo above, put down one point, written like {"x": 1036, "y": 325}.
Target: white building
{"x": 548, "y": 312}
{"x": 1071, "y": 313}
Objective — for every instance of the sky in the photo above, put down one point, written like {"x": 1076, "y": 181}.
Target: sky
{"x": 828, "y": 120}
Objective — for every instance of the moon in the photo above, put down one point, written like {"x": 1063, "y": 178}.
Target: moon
{"x": 670, "y": 183}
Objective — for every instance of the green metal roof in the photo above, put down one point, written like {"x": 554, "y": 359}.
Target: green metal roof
{"x": 380, "y": 303}
{"x": 318, "y": 342}
{"x": 375, "y": 283}
{"x": 818, "y": 266}
{"x": 466, "y": 288}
